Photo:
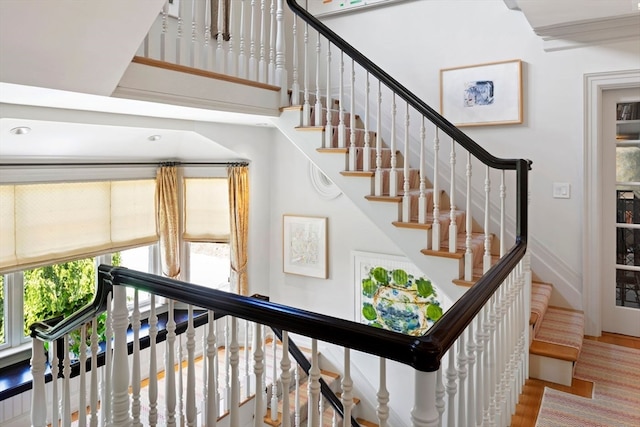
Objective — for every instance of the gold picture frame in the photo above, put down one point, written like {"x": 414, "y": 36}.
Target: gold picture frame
{"x": 482, "y": 95}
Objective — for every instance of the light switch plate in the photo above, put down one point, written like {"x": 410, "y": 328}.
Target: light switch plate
{"x": 561, "y": 190}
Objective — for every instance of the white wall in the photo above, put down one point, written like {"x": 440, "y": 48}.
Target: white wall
{"x": 440, "y": 34}
{"x": 348, "y": 229}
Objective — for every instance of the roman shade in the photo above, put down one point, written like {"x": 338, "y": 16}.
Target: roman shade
{"x": 206, "y": 207}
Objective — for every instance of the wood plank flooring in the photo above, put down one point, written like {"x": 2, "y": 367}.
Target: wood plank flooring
{"x": 531, "y": 397}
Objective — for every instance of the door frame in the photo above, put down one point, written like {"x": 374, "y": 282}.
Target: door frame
{"x": 594, "y": 85}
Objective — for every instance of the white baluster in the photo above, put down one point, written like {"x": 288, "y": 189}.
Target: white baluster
{"x": 492, "y": 356}
{"x": 191, "y": 370}
{"x": 383, "y": 395}
{"x": 262, "y": 63}
{"x": 295, "y": 86}
{"x": 55, "y": 366}
{"x": 424, "y": 412}
{"x": 440, "y": 392}
{"x": 486, "y": 362}
{"x": 282, "y": 79}
{"x": 462, "y": 378}
{"x": 274, "y": 382}
{"x": 231, "y": 57}
{"x": 342, "y": 143}
{"x": 234, "y": 410}
{"x": 106, "y": 390}
{"x": 179, "y": 35}
{"x": 207, "y": 34}
{"x": 378, "y": 175}
{"x": 220, "y": 54}
{"x": 120, "y": 372}
{"x": 253, "y": 62}
{"x": 82, "y": 358}
{"x": 347, "y": 387}
{"x": 285, "y": 379}
{"x": 313, "y": 417}
{"x": 226, "y": 393}
{"x": 486, "y": 260}
{"x": 163, "y": 32}
{"x": 480, "y": 377}
{"x": 135, "y": 368}
{"x": 306, "y": 107}
{"x": 93, "y": 394}
{"x": 393, "y": 173}
{"x": 422, "y": 199}
{"x": 366, "y": 150}
{"x": 66, "y": 384}
{"x": 272, "y": 41}
{"x": 406, "y": 198}
{"x": 468, "y": 255}
{"x": 38, "y": 367}
{"x": 435, "y": 228}
{"x": 242, "y": 60}
{"x": 258, "y": 369}
{"x": 153, "y": 364}
{"x": 170, "y": 368}
{"x": 453, "y": 226}
{"x": 211, "y": 383}
{"x": 328, "y": 131}
{"x": 265, "y": 388}
{"x": 471, "y": 366}
{"x": 180, "y": 404}
{"x": 205, "y": 385}
{"x": 296, "y": 399}
{"x": 247, "y": 372}
{"x": 451, "y": 387}
{"x": 318, "y": 105}
{"x": 352, "y": 119}
{"x": 194, "y": 37}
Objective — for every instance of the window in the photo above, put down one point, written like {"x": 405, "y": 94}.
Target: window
{"x": 209, "y": 264}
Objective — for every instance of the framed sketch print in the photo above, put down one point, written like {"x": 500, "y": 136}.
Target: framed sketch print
{"x": 480, "y": 95}
{"x": 304, "y": 243}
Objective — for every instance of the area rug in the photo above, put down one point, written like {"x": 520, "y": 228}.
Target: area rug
{"x": 615, "y": 372}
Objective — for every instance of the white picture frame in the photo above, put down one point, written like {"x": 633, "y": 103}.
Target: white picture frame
{"x": 304, "y": 245}
{"x": 482, "y": 95}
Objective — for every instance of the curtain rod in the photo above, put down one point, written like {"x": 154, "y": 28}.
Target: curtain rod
{"x": 166, "y": 163}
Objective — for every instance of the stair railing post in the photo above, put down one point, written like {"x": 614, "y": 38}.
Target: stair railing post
{"x": 93, "y": 394}
{"x": 153, "y": 363}
{"x": 486, "y": 260}
{"x": 306, "y": 107}
{"x": 234, "y": 360}
{"x": 38, "y": 366}
{"x": 66, "y": 384}
{"x": 163, "y": 32}
{"x": 366, "y": 150}
{"x": 347, "y": 387}
{"x": 231, "y": 56}
{"x": 285, "y": 380}
{"x": 194, "y": 37}
{"x": 262, "y": 63}
{"x": 169, "y": 368}
{"x": 207, "y": 35}
{"x": 451, "y": 387}
{"x": 393, "y": 173}
{"x": 282, "y": 79}
{"x": 295, "y": 85}
{"x": 422, "y": 200}
{"x": 383, "y": 395}
{"x": 253, "y": 63}
{"x": 462, "y": 379}
{"x": 274, "y": 379}
{"x": 106, "y": 389}
{"x": 220, "y": 54}
{"x": 424, "y": 412}
{"x": 179, "y": 24}
{"x": 317, "y": 113}
{"x": 440, "y": 393}
{"x": 135, "y": 364}
{"x": 453, "y": 226}
{"x": 406, "y": 198}
{"x": 378, "y": 174}
{"x": 258, "y": 369}
{"x": 435, "y": 233}
{"x": 328, "y": 132}
{"x": 191, "y": 370}
{"x": 352, "y": 119}
{"x": 271, "y": 71}
{"x": 342, "y": 143}
{"x": 313, "y": 394}
{"x": 468, "y": 254}
{"x": 120, "y": 368}
{"x": 242, "y": 59}
{"x": 211, "y": 384}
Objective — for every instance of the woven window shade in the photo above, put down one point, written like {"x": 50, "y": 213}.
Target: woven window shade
{"x": 206, "y": 202}
{"x": 63, "y": 221}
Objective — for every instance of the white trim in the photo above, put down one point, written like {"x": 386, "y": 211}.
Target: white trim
{"x": 594, "y": 85}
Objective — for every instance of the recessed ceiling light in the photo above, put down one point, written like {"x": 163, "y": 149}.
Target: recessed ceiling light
{"x": 155, "y": 137}
{"x": 20, "y": 130}
{"x": 262, "y": 124}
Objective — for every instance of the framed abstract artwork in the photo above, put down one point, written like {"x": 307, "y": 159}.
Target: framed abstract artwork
{"x": 480, "y": 95}
{"x": 304, "y": 244}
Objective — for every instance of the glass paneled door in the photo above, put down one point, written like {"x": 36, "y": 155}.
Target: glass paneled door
{"x": 621, "y": 211}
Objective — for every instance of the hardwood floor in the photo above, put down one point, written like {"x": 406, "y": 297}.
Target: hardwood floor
{"x": 531, "y": 397}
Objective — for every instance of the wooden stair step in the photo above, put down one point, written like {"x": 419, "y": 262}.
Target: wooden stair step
{"x": 560, "y": 335}
{"x": 540, "y": 296}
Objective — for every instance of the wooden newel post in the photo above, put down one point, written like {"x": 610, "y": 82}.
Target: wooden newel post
{"x": 424, "y": 412}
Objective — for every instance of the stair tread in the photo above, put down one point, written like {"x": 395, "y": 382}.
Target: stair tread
{"x": 540, "y": 295}
{"x": 561, "y": 333}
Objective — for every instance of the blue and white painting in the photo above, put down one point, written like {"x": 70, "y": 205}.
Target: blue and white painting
{"x": 478, "y": 93}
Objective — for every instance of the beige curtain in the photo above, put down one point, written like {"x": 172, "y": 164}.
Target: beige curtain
{"x": 215, "y": 5}
{"x": 239, "y": 211}
{"x": 168, "y": 220}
